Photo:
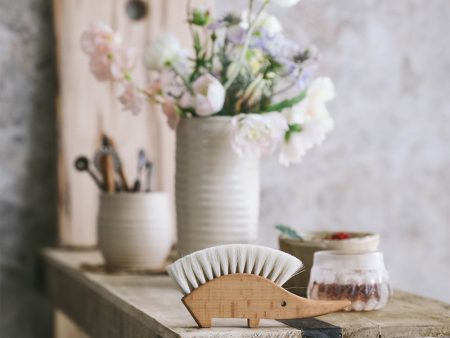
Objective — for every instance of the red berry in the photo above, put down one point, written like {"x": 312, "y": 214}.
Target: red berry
{"x": 340, "y": 235}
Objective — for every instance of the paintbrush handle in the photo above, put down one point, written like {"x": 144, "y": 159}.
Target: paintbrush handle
{"x": 137, "y": 186}
{"x": 108, "y": 172}
{"x": 121, "y": 172}
{"x": 148, "y": 168}
{"x": 123, "y": 179}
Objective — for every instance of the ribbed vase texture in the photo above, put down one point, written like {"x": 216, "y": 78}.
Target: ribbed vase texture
{"x": 217, "y": 192}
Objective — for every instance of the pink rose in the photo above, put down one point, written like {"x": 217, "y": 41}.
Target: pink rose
{"x": 162, "y": 85}
{"x": 131, "y": 99}
{"x": 98, "y": 39}
{"x": 169, "y": 110}
{"x": 109, "y": 59}
{"x": 209, "y": 95}
{"x": 122, "y": 63}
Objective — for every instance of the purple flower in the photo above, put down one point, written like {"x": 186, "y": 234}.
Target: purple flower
{"x": 228, "y": 20}
{"x": 237, "y": 35}
{"x": 276, "y": 45}
{"x": 298, "y": 64}
{"x": 216, "y": 25}
{"x": 301, "y": 75}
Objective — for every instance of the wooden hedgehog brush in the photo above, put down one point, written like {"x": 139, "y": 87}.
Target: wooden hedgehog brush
{"x": 243, "y": 281}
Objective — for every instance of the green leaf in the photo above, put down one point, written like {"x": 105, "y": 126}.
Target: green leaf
{"x": 293, "y": 128}
{"x": 288, "y": 232}
{"x": 288, "y": 103}
{"x": 200, "y": 17}
{"x": 197, "y": 43}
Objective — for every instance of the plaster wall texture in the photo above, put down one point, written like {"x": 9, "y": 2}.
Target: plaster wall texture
{"x": 27, "y": 169}
{"x": 385, "y": 168}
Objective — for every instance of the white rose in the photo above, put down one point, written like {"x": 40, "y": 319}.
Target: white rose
{"x": 284, "y": 3}
{"x": 312, "y": 133}
{"x": 209, "y": 95}
{"x": 292, "y": 151}
{"x": 313, "y": 119}
{"x": 269, "y": 23}
{"x": 164, "y": 52}
{"x": 321, "y": 89}
{"x": 257, "y": 134}
{"x": 266, "y": 22}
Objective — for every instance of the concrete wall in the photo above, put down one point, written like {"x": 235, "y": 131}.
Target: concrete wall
{"x": 385, "y": 168}
{"x": 27, "y": 170}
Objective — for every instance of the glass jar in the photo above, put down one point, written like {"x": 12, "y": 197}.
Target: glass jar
{"x": 358, "y": 277}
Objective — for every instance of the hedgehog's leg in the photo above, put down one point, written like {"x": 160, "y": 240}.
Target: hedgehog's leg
{"x": 253, "y": 323}
{"x": 204, "y": 322}
{"x": 197, "y": 312}
{"x": 201, "y": 319}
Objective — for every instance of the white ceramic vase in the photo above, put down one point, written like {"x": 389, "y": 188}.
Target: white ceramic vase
{"x": 135, "y": 230}
{"x": 217, "y": 192}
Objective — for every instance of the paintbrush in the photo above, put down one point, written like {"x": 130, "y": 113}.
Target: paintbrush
{"x": 107, "y": 165}
{"x": 141, "y": 163}
{"x": 148, "y": 168}
{"x": 118, "y": 165}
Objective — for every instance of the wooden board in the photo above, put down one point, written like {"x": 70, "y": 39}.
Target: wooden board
{"x": 65, "y": 328}
{"x": 150, "y": 306}
{"x": 86, "y": 107}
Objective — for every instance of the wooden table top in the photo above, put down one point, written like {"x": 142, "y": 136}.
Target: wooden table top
{"x": 134, "y": 306}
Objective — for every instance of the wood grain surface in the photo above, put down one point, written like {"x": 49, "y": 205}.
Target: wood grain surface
{"x": 117, "y": 306}
{"x": 252, "y": 297}
{"x": 85, "y": 108}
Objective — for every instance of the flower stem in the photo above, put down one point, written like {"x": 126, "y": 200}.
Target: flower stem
{"x": 185, "y": 81}
{"x": 250, "y": 10}
{"x": 246, "y": 43}
{"x": 213, "y": 51}
{"x": 291, "y": 85}
{"x": 149, "y": 96}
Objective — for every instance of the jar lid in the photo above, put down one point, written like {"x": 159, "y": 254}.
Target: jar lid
{"x": 348, "y": 260}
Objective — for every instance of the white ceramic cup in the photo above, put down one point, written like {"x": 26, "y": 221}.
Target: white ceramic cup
{"x": 135, "y": 230}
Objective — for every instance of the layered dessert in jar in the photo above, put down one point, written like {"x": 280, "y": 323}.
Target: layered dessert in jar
{"x": 359, "y": 277}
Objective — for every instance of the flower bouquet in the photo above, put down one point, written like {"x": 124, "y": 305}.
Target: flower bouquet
{"x": 245, "y": 90}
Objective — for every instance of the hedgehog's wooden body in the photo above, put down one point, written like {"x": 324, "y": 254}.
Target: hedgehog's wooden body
{"x": 252, "y": 297}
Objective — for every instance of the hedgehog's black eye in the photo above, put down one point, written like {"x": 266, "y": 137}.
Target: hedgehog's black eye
{"x": 283, "y": 303}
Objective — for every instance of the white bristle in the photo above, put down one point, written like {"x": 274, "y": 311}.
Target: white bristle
{"x": 268, "y": 265}
{"x": 189, "y": 272}
{"x": 213, "y": 260}
{"x": 241, "y": 253}
{"x": 261, "y": 256}
{"x": 197, "y": 270}
{"x": 202, "y": 266}
{"x": 223, "y": 259}
{"x": 277, "y": 269}
{"x": 288, "y": 271}
{"x": 232, "y": 259}
{"x": 176, "y": 273}
{"x": 251, "y": 259}
{"x": 205, "y": 263}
